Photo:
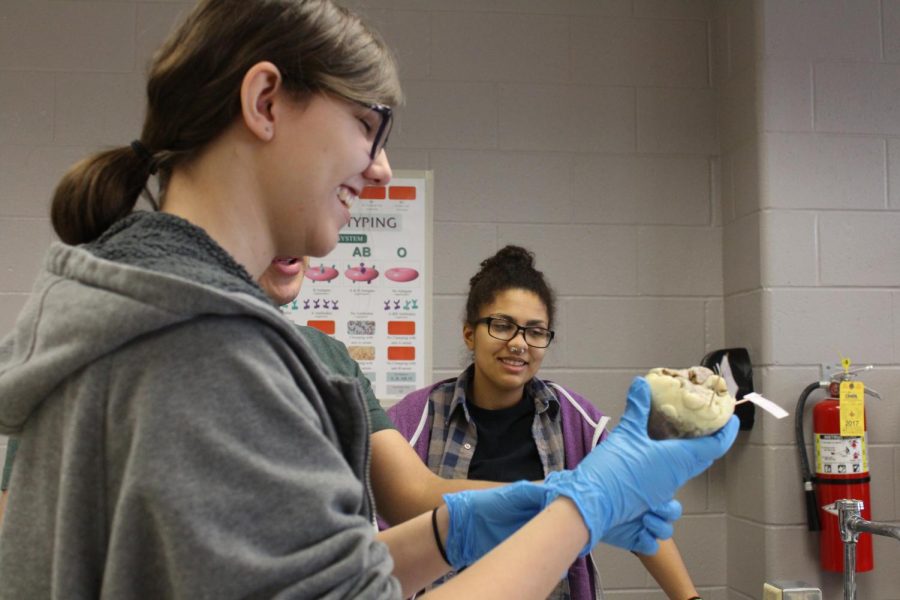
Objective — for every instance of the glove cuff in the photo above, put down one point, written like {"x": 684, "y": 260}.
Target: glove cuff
{"x": 457, "y": 511}
{"x": 590, "y": 502}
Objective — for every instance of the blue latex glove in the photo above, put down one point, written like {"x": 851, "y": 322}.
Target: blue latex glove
{"x": 629, "y": 473}
{"x": 643, "y": 533}
{"x": 481, "y": 519}
{"x": 640, "y": 534}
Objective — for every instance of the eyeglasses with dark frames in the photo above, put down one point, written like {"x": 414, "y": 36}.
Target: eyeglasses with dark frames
{"x": 503, "y": 329}
{"x": 383, "y": 130}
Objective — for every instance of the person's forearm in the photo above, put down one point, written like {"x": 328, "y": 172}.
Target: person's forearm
{"x": 403, "y": 486}
{"x": 438, "y": 486}
{"x": 417, "y": 560}
{"x": 667, "y": 568}
{"x": 529, "y": 564}
{"x": 421, "y": 492}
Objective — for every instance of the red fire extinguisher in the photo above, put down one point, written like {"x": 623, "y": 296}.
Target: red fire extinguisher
{"x": 842, "y": 465}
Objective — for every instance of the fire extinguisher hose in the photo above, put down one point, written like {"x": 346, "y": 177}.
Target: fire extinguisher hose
{"x": 812, "y": 509}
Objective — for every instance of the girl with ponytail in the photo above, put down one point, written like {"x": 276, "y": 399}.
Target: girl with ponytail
{"x": 177, "y": 437}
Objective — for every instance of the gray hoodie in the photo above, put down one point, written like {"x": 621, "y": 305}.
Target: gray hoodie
{"x": 178, "y": 438}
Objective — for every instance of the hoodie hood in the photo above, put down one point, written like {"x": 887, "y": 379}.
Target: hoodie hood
{"x": 148, "y": 272}
{"x": 173, "y": 424}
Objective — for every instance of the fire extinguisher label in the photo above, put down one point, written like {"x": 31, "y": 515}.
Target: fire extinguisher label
{"x": 852, "y": 409}
{"x": 838, "y": 455}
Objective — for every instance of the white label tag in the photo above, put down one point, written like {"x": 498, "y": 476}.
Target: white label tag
{"x": 767, "y": 405}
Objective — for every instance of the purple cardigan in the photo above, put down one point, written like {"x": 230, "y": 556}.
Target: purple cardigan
{"x": 578, "y": 439}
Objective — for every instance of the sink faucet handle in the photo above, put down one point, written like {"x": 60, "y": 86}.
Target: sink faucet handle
{"x": 849, "y": 512}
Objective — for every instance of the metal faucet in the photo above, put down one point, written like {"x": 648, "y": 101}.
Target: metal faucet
{"x": 851, "y": 525}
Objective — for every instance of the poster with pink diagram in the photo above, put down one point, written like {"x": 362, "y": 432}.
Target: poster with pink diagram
{"x": 373, "y": 291}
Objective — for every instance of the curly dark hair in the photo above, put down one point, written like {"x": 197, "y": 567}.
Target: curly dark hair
{"x": 512, "y": 267}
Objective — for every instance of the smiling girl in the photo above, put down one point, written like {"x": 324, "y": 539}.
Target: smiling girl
{"x": 498, "y": 421}
{"x": 177, "y": 437}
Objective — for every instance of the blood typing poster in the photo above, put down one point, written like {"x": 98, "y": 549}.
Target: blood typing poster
{"x": 373, "y": 292}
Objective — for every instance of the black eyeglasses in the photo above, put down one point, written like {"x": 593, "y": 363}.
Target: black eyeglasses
{"x": 504, "y": 329}
{"x": 383, "y": 129}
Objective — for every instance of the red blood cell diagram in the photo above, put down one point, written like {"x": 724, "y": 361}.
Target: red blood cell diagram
{"x": 321, "y": 273}
{"x": 401, "y": 274}
{"x": 361, "y": 273}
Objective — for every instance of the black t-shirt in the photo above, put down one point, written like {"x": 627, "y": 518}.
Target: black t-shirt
{"x": 506, "y": 450}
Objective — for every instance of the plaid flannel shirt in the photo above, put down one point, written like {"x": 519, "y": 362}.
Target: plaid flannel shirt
{"x": 453, "y": 435}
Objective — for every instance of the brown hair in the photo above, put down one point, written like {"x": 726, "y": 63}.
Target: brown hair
{"x": 193, "y": 94}
{"x": 511, "y": 268}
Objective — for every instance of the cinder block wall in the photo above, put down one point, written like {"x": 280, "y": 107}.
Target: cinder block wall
{"x": 584, "y": 129}
{"x": 809, "y": 99}
{"x": 587, "y": 130}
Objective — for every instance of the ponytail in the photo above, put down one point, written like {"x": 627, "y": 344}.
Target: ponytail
{"x": 96, "y": 192}
{"x": 193, "y": 95}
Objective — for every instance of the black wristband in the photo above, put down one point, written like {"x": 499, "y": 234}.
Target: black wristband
{"x": 437, "y": 536}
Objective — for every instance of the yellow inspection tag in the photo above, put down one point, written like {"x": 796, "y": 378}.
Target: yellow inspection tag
{"x": 853, "y": 416}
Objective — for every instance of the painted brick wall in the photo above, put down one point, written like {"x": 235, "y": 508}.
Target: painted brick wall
{"x": 810, "y": 96}
{"x": 584, "y": 129}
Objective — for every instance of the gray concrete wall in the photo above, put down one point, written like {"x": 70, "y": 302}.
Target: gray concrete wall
{"x": 690, "y": 173}
{"x": 809, "y": 99}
